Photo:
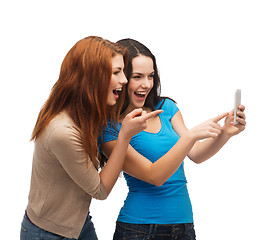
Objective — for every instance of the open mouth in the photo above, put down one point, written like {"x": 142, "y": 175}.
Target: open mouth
{"x": 116, "y": 92}
{"x": 140, "y": 95}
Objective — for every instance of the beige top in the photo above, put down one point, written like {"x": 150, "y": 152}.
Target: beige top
{"x": 62, "y": 184}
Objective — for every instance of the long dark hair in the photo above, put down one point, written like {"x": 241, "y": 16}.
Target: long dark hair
{"x": 135, "y": 49}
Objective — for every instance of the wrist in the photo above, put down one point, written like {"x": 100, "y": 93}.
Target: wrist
{"x": 225, "y": 135}
{"x": 123, "y": 137}
{"x": 190, "y": 136}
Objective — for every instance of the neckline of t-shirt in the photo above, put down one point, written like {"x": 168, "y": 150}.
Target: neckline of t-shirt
{"x": 120, "y": 124}
{"x": 158, "y": 131}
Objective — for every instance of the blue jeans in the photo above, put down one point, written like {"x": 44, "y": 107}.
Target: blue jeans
{"x": 29, "y": 231}
{"x": 125, "y": 231}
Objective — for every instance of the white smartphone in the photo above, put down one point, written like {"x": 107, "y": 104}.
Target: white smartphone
{"x": 237, "y": 102}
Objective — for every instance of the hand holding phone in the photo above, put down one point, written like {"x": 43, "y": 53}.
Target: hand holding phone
{"x": 237, "y": 102}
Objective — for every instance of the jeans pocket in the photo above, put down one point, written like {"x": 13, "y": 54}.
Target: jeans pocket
{"x": 191, "y": 234}
{"x": 134, "y": 235}
{"x": 23, "y": 232}
{"x": 50, "y": 236}
{"x": 128, "y": 234}
{"x": 29, "y": 231}
{"x": 127, "y": 231}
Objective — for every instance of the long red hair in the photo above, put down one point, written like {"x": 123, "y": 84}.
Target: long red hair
{"x": 82, "y": 90}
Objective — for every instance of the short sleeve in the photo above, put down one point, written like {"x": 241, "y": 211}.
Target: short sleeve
{"x": 169, "y": 106}
{"x": 110, "y": 133}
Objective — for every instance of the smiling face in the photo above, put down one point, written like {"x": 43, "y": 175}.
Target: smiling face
{"x": 118, "y": 79}
{"x": 141, "y": 81}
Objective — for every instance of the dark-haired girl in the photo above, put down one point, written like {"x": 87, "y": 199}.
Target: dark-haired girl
{"x": 158, "y": 204}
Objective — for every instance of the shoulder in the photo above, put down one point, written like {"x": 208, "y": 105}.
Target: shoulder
{"x": 61, "y": 132}
{"x": 168, "y": 105}
{"x": 112, "y": 127}
{"x": 110, "y": 132}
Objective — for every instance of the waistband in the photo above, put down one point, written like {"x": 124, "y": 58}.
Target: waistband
{"x": 157, "y": 229}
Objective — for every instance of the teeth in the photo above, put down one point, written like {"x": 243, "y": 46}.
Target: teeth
{"x": 141, "y": 93}
{"x": 118, "y": 89}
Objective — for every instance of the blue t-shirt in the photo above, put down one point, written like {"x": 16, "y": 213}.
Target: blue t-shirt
{"x": 147, "y": 203}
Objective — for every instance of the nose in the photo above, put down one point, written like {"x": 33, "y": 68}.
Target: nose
{"x": 146, "y": 83}
{"x": 123, "y": 80}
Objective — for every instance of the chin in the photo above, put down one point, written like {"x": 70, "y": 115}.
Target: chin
{"x": 139, "y": 105}
{"x": 111, "y": 103}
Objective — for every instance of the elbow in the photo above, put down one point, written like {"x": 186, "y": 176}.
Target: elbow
{"x": 197, "y": 160}
{"x": 100, "y": 196}
{"x": 100, "y": 193}
{"x": 157, "y": 181}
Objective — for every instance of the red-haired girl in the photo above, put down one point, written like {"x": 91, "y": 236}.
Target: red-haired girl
{"x": 66, "y": 159}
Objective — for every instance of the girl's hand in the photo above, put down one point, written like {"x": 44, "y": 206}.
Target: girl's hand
{"x": 207, "y": 129}
{"x": 230, "y": 127}
{"x": 135, "y": 121}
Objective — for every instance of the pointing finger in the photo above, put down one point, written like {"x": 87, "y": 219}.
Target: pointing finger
{"x": 219, "y": 117}
{"x": 135, "y": 113}
{"x": 152, "y": 114}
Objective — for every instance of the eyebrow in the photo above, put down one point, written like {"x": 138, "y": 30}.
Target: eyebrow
{"x": 137, "y": 73}
{"x": 142, "y": 73}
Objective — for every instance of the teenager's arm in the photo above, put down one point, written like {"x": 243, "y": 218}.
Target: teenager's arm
{"x": 204, "y": 150}
{"x": 158, "y": 172}
{"x": 132, "y": 124}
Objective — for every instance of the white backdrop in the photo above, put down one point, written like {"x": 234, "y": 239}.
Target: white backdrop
{"x": 205, "y": 50}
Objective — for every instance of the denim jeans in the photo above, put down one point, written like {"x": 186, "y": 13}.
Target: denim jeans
{"x": 127, "y": 231}
{"x": 29, "y": 231}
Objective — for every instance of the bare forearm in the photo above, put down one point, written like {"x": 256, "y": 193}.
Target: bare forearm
{"x": 109, "y": 174}
{"x": 206, "y": 149}
{"x": 132, "y": 124}
{"x": 202, "y": 151}
{"x": 164, "y": 167}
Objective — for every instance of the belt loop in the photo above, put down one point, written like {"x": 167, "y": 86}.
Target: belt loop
{"x": 152, "y": 231}
{"x": 174, "y": 231}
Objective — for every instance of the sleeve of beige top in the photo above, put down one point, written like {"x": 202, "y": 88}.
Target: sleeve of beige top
{"x": 65, "y": 144}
